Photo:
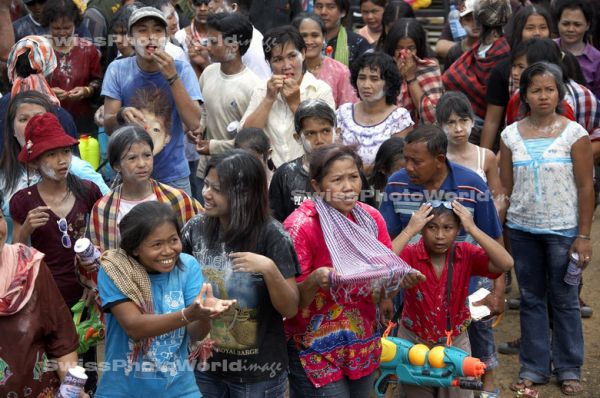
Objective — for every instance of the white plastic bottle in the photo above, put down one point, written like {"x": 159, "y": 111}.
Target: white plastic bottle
{"x": 73, "y": 383}
{"x": 458, "y": 32}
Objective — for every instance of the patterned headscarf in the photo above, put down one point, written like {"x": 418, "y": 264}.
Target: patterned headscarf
{"x": 492, "y": 13}
{"x": 42, "y": 60}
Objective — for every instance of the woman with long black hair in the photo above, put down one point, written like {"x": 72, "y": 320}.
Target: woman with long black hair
{"x": 247, "y": 256}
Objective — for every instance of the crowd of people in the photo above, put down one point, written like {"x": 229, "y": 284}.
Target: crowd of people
{"x": 277, "y": 189}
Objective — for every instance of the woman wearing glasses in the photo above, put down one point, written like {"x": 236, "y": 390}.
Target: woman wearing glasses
{"x": 53, "y": 213}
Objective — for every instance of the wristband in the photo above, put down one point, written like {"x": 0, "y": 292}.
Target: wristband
{"x": 585, "y": 237}
{"x": 183, "y": 317}
{"x": 120, "y": 118}
{"x": 411, "y": 81}
{"x": 172, "y": 79}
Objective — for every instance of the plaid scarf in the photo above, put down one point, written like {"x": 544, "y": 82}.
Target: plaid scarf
{"x": 131, "y": 278}
{"x": 42, "y": 60}
{"x": 470, "y": 73}
{"x": 361, "y": 261}
{"x": 429, "y": 77}
{"x": 341, "y": 47}
{"x": 104, "y": 231}
{"x": 19, "y": 268}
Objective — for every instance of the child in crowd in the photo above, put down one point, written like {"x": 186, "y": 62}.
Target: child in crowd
{"x": 455, "y": 116}
{"x": 315, "y": 124}
{"x": 130, "y": 154}
{"x": 156, "y": 303}
{"x": 436, "y": 255}
{"x": 53, "y": 213}
{"x": 388, "y": 160}
{"x": 256, "y": 142}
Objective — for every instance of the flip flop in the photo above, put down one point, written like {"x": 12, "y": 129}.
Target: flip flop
{"x": 521, "y": 384}
{"x": 571, "y": 387}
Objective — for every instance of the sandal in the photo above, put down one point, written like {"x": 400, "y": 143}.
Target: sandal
{"x": 521, "y": 384}
{"x": 571, "y": 387}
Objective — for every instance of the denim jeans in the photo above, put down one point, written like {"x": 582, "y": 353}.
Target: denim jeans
{"x": 302, "y": 387}
{"x": 481, "y": 334}
{"x": 540, "y": 265}
{"x": 212, "y": 387}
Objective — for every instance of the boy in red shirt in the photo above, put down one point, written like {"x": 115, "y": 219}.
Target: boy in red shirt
{"x": 427, "y": 310}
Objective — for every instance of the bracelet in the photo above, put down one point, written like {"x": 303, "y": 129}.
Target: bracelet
{"x": 88, "y": 91}
{"x": 172, "y": 79}
{"x": 183, "y": 317}
{"x": 585, "y": 237}
{"x": 411, "y": 81}
{"x": 120, "y": 118}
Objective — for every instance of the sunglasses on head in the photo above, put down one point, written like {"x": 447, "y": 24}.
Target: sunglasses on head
{"x": 437, "y": 203}
{"x": 200, "y": 2}
{"x": 65, "y": 239}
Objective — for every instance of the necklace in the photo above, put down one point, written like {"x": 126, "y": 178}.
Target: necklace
{"x": 317, "y": 68}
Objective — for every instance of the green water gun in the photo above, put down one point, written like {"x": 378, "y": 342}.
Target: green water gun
{"x": 91, "y": 330}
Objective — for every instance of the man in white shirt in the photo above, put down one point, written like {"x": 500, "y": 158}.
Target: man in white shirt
{"x": 254, "y": 58}
{"x": 227, "y": 84}
{"x": 273, "y": 105}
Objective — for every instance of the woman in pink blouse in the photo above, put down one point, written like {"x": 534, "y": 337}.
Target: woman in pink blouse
{"x": 333, "y": 345}
{"x": 332, "y": 72}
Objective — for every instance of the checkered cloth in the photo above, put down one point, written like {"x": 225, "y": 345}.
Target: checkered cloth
{"x": 131, "y": 278}
{"x": 359, "y": 258}
{"x": 470, "y": 73}
{"x": 429, "y": 77}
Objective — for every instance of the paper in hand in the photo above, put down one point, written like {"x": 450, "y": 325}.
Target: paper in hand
{"x": 478, "y": 311}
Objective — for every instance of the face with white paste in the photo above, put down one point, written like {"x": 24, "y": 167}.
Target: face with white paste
{"x": 370, "y": 84}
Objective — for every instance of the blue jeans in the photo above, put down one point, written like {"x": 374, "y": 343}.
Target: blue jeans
{"x": 212, "y": 387}
{"x": 540, "y": 265}
{"x": 302, "y": 387}
{"x": 183, "y": 184}
{"x": 481, "y": 335}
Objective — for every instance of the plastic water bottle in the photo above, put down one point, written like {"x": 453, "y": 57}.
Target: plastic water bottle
{"x": 458, "y": 32}
{"x": 73, "y": 383}
{"x": 573, "y": 275}
{"x": 89, "y": 149}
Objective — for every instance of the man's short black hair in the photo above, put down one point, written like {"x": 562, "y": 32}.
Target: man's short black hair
{"x": 432, "y": 135}
{"x": 234, "y": 28}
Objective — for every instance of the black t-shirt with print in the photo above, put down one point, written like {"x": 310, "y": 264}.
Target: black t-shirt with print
{"x": 250, "y": 343}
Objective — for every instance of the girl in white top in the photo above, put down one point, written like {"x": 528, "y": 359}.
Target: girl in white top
{"x": 455, "y": 116}
{"x": 375, "y": 118}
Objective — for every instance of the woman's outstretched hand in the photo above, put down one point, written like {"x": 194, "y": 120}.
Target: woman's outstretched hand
{"x": 206, "y": 305}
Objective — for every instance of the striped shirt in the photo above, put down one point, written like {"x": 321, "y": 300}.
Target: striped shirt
{"x": 104, "y": 230}
{"x": 402, "y": 197}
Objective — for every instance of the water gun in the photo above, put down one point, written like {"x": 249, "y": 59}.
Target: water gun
{"x": 442, "y": 366}
{"x": 90, "y": 331}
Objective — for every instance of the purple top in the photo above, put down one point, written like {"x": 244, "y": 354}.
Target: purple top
{"x": 589, "y": 61}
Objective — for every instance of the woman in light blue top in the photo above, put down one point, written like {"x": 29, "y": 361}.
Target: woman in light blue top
{"x": 546, "y": 168}
{"x": 13, "y": 175}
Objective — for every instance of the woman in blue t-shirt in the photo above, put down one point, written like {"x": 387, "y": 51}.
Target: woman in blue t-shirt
{"x": 156, "y": 303}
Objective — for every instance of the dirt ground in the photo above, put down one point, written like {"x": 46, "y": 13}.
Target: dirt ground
{"x": 509, "y": 328}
